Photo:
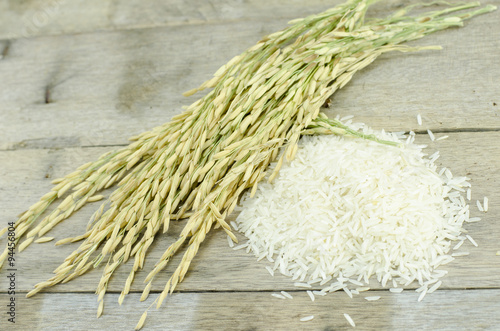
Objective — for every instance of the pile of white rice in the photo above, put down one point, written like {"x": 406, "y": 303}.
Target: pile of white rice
{"x": 347, "y": 209}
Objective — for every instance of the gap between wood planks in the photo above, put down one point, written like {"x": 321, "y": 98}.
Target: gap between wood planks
{"x": 372, "y": 290}
{"x": 25, "y": 144}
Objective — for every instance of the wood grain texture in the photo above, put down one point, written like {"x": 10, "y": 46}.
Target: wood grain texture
{"x": 53, "y": 17}
{"x": 100, "y": 88}
{"x": 217, "y": 267}
{"x": 33, "y": 18}
{"x": 101, "y": 71}
{"x": 443, "y": 310}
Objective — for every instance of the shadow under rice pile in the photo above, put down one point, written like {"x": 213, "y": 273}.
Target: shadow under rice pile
{"x": 196, "y": 166}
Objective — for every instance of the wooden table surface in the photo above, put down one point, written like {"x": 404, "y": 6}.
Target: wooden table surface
{"x": 77, "y": 78}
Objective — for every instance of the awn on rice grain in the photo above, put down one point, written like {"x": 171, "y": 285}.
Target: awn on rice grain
{"x": 198, "y": 164}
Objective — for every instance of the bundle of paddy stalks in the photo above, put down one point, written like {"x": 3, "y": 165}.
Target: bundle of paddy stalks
{"x": 347, "y": 210}
{"x": 198, "y": 164}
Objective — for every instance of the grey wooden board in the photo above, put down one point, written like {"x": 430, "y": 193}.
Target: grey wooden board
{"x": 103, "y": 87}
{"x": 113, "y": 69}
{"x": 32, "y": 18}
{"x": 217, "y": 267}
{"x": 443, "y": 310}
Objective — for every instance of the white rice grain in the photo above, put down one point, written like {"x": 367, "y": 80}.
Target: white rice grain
{"x": 479, "y": 206}
{"x": 286, "y": 294}
{"x": 485, "y": 204}
{"x": 348, "y": 292}
{"x": 240, "y": 246}
{"x": 422, "y": 294}
{"x": 279, "y": 296}
{"x": 349, "y": 319}
{"x": 302, "y": 285}
{"x": 460, "y": 243}
{"x": 311, "y": 295}
{"x": 372, "y": 298}
{"x": 431, "y": 135}
{"x": 471, "y": 240}
{"x": 460, "y": 254}
{"x": 307, "y": 318}
{"x": 362, "y": 289}
{"x": 230, "y": 242}
{"x": 419, "y": 119}
{"x": 435, "y": 287}
{"x": 270, "y": 270}
{"x": 396, "y": 289}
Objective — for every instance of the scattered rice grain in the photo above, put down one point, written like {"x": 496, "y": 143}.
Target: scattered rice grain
{"x": 431, "y": 135}
{"x": 460, "y": 254}
{"x": 471, "y": 240}
{"x": 435, "y": 287}
{"x": 460, "y": 243}
{"x": 422, "y": 295}
{"x": 442, "y": 138}
{"x": 372, "y": 298}
{"x": 279, "y": 296}
{"x": 230, "y": 242}
{"x": 479, "y": 206}
{"x": 311, "y": 295}
{"x": 349, "y": 319}
{"x": 302, "y": 285}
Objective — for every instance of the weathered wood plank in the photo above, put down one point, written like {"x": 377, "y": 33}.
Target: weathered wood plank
{"x": 442, "y": 310}
{"x": 27, "y": 19}
{"x": 217, "y": 267}
{"x": 100, "y": 88}
{"x": 36, "y": 18}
